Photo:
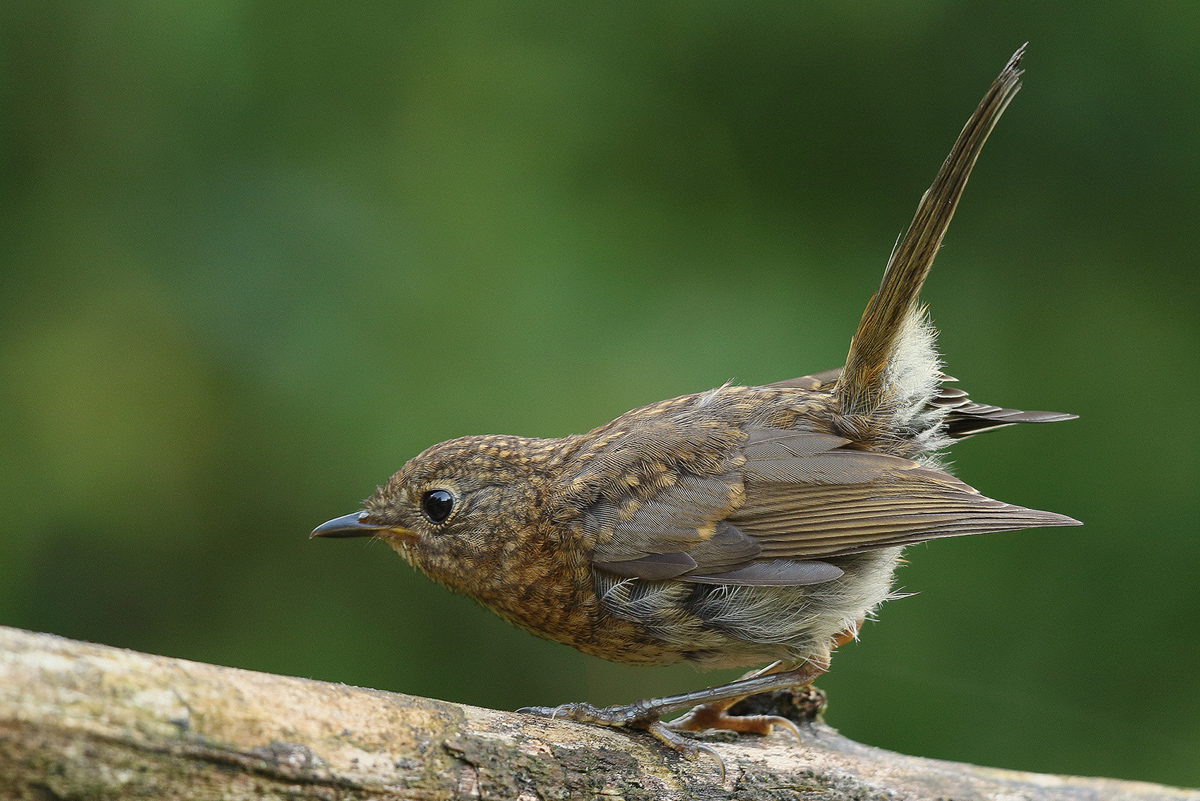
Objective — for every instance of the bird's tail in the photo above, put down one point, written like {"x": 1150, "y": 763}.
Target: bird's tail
{"x": 893, "y": 372}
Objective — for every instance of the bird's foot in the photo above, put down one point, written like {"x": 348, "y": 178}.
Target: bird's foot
{"x": 711, "y": 712}
{"x": 638, "y": 715}
{"x": 715, "y": 716}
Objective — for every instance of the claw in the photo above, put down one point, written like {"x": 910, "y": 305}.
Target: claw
{"x": 629, "y": 717}
{"x": 690, "y": 749}
{"x": 778, "y": 720}
{"x": 551, "y": 712}
{"x": 586, "y": 713}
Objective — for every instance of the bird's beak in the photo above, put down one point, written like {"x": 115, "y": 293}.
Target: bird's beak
{"x": 350, "y": 525}
{"x": 354, "y": 525}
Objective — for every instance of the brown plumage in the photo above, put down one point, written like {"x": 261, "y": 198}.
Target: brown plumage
{"x": 727, "y": 528}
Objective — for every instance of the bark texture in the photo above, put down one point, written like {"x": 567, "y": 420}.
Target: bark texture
{"x": 85, "y": 721}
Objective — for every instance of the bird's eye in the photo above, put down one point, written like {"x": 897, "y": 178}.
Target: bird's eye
{"x": 437, "y": 505}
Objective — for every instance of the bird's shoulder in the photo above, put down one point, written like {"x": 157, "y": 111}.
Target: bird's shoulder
{"x": 703, "y": 435}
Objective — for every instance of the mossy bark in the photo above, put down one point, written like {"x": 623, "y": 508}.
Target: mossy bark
{"x": 85, "y": 721}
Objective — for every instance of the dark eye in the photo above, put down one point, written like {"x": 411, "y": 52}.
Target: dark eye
{"x": 437, "y": 505}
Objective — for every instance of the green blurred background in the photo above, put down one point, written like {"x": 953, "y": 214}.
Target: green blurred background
{"x": 255, "y": 254}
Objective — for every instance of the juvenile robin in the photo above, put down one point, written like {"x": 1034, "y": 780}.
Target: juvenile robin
{"x": 728, "y": 528}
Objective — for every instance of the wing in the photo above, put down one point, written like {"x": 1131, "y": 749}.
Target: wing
{"x": 803, "y": 505}
{"x": 791, "y": 500}
{"x": 965, "y": 418}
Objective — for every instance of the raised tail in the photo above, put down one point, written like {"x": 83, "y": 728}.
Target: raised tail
{"x": 892, "y": 372}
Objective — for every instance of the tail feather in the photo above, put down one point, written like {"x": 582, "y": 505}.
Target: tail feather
{"x": 966, "y": 418}
{"x": 962, "y": 416}
{"x": 892, "y": 367}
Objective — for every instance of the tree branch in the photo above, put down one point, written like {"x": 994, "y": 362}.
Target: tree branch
{"x": 86, "y": 721}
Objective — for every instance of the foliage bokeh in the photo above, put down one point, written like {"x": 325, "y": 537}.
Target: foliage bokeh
{"x": 255, "y": 254}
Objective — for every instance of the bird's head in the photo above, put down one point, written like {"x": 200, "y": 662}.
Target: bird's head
{"x": 451, "y": 510}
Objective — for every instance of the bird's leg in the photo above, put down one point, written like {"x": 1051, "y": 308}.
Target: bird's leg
{"x": 645, "y": 714}
{"x": 714, "y": 715}
{"x": 709, "y": 706}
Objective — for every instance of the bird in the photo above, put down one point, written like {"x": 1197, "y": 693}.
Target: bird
{"x": 733, "y": 527}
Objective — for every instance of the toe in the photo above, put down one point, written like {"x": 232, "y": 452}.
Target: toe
{"x": 702, "y": 718}
{"x": 688, "y": 748}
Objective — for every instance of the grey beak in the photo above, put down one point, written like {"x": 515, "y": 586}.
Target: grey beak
{"x": 350, "y": 525}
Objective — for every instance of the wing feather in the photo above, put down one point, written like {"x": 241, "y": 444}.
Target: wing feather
{"x": 792, "y": 499}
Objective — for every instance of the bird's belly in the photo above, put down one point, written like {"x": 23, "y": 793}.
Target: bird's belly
{"x": 721, "y": 625}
